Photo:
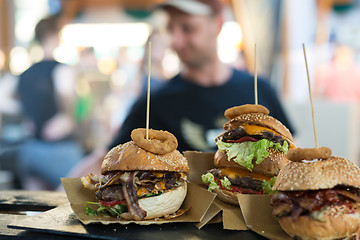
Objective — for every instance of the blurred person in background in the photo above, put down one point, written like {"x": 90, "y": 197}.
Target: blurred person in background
{"x": 46, "y": 93}
{"x": 191, "y": 105}
{"x": 128, "y": 87}
{"x": 92, "y": 88}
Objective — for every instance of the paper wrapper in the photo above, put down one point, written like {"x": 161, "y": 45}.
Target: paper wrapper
{"x": 253, "y": 214}
{"x": 256, "y": 210}
{"x": 230, "y": 215}
{"x": 197, "y": 200}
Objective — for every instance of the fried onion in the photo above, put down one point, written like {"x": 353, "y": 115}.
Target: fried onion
{"x": 299, "y": 154}
{"x": 159, "y": 142}
{"x": 245, "y": 109}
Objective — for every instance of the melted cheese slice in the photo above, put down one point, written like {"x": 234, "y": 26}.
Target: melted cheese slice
{"x": 258, "y": 130}
{"x": 233, "y": 173}
{"x": 159, "y": 186}
{"x": 158, "y": 174}
{"x": 142, "y": 191}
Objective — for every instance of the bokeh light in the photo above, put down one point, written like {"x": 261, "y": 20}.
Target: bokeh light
{"x": 229, "y": 42}
{"x": 19, "y": 60}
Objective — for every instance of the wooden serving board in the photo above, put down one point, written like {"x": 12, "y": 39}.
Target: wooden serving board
{"x": 22, "y": 200}
{"x": 61, "y": 221}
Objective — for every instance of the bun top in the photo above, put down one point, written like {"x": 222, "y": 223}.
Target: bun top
{"x": 324, "y": 174}
{"x": 258, "y": 115}
{"x": 130, "y": 157}
{"x": 260, "y": 119}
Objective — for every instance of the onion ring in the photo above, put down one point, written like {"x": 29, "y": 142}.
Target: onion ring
{"x": 244, "y": 109}
{"x": 159, "y": 142}
{"x": 299, "y": 154}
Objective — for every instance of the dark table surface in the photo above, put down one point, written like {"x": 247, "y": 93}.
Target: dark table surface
{"x": 47, "y": 215}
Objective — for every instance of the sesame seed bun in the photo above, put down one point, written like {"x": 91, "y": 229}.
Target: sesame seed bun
{"x": 260, "y": 119}
{"x": 130, "y": 157}
{"x": 270, "y": 166}
{"x": 334, "y": 224}
{"x": 318, "y": 175}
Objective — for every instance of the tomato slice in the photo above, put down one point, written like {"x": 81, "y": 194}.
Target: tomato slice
{"x": 238, "y": 189}
{"x": 243, "y": 139}
{"x": 111, "y": 203}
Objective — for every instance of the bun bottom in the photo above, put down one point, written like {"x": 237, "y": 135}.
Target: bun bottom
{"x": 227, "y": 196}
{"x": 166, "y": 203}
{"x": 337, "y": 226}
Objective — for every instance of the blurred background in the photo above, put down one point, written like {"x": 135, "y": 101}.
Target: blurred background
{"x": 105, "y": 43}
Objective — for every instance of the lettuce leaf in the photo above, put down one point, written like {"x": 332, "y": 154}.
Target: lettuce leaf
{"x": 89, "y": 211}
{"x": 105, "y": 210}
{"x": 208, "y": 178}
{"x": 243, "y": 153}
{"x": 267, "y": 186}
{"x": 151, "y": 195}
{"x": 225, "y": 182}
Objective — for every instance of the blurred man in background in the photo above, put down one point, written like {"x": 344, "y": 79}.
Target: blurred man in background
{"x": 192, "y": 104}
{"x": 47, "y": 95}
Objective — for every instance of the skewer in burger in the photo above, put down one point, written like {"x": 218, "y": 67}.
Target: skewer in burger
{"x": 318, "y": 199}
{"x": 250, "y": 153}
{"x": 141, "y": 179}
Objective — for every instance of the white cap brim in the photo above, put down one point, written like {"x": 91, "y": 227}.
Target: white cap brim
{"x": 188, "y": 6}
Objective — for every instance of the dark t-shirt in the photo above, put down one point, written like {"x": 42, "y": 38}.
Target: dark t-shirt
{"x": 195, "y": 114}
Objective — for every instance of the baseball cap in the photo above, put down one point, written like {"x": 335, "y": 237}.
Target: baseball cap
{"x": 194, "y": 7}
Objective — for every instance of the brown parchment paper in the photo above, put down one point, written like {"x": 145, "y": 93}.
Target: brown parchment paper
{"x": 256, "y": 210}
{"x": 213, "y": 215}
{"x": 253, "y": 213}
{"x": 198, "y": 200}
{"x": 200, "y": 163}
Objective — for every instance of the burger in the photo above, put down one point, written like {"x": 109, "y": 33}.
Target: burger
{"x": 250, "y": 153}
{"x": 318, "y": 199}
{"x": 138, "y": 183}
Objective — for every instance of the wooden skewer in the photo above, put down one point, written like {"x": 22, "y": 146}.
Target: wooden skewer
{"x": 310, "y": 94}
{"x": 255, "y": 77}
{"x": 148, "y": 94}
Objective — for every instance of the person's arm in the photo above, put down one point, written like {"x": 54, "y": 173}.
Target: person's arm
{"x": 63, "y": 123}
{"x": 92, "y": 162}
{"x": 8, "y": 102}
